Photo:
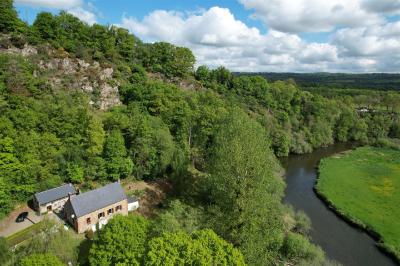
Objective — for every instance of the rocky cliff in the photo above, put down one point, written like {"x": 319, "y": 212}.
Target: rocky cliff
{"x": 62, "y": 71}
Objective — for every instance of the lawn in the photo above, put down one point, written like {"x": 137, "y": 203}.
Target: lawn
{"x": 364, "y": 185}
{"x": 24, "y": 234}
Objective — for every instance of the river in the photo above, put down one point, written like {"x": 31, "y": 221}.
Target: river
{"x": 340, "y": 241}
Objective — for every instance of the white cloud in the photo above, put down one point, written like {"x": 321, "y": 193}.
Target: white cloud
{"x": 84, "y": 15}
{"x": 375, "y": 41}
{"x": 217, "y": 38}
{"x": 315, "y": 15}
{"x": 58, "y": 4}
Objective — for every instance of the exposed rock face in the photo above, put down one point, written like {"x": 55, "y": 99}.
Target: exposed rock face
{"x": 63, "y": 72}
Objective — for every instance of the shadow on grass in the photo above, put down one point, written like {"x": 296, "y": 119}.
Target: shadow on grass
{"x": 83, "y": 255}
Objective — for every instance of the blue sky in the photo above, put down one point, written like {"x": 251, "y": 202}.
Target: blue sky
{"x": 256, "y": 35}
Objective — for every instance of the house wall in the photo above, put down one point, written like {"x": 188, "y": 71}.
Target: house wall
{"x": 81, "y": 225}
{"x": 55, "y": 205}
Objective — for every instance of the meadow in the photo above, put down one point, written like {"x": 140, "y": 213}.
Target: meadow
{"x": 363, "y": 185}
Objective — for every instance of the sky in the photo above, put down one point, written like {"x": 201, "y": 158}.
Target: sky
{"x": 354, "y": 36}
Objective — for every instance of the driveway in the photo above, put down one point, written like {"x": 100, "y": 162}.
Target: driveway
{"x": 8, "y": 226}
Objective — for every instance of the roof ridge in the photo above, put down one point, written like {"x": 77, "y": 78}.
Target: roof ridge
{"x": 96, "y": 189}
{"x": 95, "y": 199}
{"x": 54, "y": 188}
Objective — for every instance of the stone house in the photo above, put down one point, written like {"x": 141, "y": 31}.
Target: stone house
{"x": 94, "y": 208}
{"x": 53, "y": 199}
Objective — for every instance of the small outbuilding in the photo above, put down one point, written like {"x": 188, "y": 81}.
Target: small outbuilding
{"x": 53, "y": 199}
{"x": 133, "y": 203}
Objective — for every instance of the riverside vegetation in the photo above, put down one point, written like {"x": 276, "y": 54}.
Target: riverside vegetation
{"x": 363, "y": 186}
{"x": 212, "y": 135}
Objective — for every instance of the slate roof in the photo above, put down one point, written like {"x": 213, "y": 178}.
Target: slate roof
{"x": 54, "y": 194}
{"x": 93, "y": 200}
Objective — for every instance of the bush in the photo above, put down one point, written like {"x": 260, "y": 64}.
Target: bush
{"x": 89, "y": 234}
{"x": 303, "y": 223}
{"x": 298, "y": 248}
{"x": 5, "y": 43}
{"x": 41, "y": 260}
{"x": 18, "y": 40}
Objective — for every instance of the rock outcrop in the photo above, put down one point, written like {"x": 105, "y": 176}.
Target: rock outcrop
{"x": 64, "y": 72}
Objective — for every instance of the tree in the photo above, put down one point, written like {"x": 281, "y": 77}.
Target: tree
{"x": 41, "y": 260}
{"x": 152, "y": 147}
{"x": 243, "y": 186}
{"x": 202, "y": 73}
{"x": 9, "y": 20}
{"x": 178, "y": 217}
{"x": 75, "y": 173}
{"x": 170, "y": 60}
{"x": 200, "y": 248}
{"x": 121, "y": 242}
{"x": 46, "y": 26}
{"x": 95, "y": 137}
{"x": 118, "y": 165}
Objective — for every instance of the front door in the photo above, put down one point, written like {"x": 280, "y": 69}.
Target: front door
{"x": 49, "y": 208}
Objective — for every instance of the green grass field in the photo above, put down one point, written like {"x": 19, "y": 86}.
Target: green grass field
{"x": 364, "y": 185}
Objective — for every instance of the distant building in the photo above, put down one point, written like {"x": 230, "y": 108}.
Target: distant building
{"x": 87, "y": 210}
{"x": 53, "y": 199}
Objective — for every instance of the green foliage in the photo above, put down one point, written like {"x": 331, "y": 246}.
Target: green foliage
{"x": 200, "y": 248}
{"x": 122, "y": 241}
{"x": 5, "y": 253}
{"x": 179, "y": 217}
{"x": 298, "y": 249}
{"x": 243, "y": 187}
{"x": 170, "y": 60}
{"x": 41, "y": 260}
{"x": 115, "y": 155}
{"x": 9, "y": 21}
{"x": 303, "y": 223}
{"x": 75, "y": 173}
{"x": 52, "y": 239}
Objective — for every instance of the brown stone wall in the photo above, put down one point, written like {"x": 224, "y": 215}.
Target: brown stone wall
{"x": 56, "y": 205}
{"x": 81, "y": 224}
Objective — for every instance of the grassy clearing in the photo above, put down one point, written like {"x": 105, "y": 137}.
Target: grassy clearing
{"x": 364, "y": 185}
{"x": 24, "y": 234}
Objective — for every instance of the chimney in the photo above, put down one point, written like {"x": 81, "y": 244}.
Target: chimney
{"x": 70, "y": 195}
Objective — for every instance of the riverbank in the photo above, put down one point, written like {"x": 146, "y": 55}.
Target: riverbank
{"x": 360, "y": 186}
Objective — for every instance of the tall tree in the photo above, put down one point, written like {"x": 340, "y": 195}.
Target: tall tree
{"x": 121, "y": 242}
{"x": 243, "y": 186}
{"x": 9, "y": 20}
{"x": 117, "y": 163}
{"x": 201, "y": 248}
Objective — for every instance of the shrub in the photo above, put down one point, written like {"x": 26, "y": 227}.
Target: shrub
{"x": 18, "y": 40}
{"x": 89, "y": 234}
{"x": 41, "y": 260}
{"x": 298, "y": 248}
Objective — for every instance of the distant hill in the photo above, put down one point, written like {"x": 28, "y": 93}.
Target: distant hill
{"x": 381, "y": 81}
